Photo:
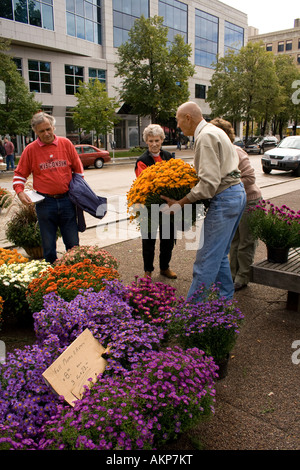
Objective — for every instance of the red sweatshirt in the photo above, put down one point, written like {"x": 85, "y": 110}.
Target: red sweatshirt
{"x": 50, "y": 165}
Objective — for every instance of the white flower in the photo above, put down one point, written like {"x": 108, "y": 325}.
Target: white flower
{"x": 21, "y": 274}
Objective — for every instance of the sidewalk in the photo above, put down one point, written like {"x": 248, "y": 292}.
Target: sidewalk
{"x": 258, "y": 403}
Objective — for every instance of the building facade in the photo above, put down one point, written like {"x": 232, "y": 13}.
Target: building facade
{"x": 55, "y": 44}
{"x": 280, "y": 42}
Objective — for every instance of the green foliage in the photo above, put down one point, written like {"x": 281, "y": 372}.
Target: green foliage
{"x": 245, "y": 86}
{"x": 23, "y": 228}
{"x": 154, "y": 72}
{"x": 275, "y": 226}
{"x": 19, "y": 104}
{"x": 95, "y": 111}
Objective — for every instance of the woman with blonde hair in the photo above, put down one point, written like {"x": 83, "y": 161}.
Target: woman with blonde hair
{"x": 154, "y": 136}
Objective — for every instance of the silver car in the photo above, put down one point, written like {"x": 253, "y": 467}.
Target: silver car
{"x": 284, "y": 157}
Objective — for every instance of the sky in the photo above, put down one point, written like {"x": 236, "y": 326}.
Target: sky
{"x": 268, "y": 15}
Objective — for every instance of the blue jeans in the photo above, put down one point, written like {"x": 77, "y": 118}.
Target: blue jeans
{"x": 212, "y": 263}
{"x": 10, "y": 161}
{"x": 53, "y": 214}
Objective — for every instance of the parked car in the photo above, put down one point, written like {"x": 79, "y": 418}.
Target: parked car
{"x": 259, "y": 145}
{"x": 90, "y": 155}
{"x": 239, "y": 142}
{"x": 285, "y": 157}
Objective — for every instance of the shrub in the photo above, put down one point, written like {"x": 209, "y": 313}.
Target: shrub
{"x": 23, "y": 228}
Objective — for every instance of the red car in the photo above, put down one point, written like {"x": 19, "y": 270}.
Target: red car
{"x": 90, "y": 155}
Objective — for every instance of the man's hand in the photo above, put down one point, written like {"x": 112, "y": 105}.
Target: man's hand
{"x": 173, "y": 206}
{"x": 24, "y": 198}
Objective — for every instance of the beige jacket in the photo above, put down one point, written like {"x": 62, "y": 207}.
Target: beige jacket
{"x": 216, "y": 162}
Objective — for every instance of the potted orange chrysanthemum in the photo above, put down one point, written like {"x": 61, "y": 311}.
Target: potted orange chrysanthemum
{"x": 173, "y": 178}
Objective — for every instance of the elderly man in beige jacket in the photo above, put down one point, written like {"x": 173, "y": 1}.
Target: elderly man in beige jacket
{"x": 216, "y": 163}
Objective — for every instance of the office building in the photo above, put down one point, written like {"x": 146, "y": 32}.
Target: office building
{"x": 286, "y": 41}
{"x": 58, "y": 43}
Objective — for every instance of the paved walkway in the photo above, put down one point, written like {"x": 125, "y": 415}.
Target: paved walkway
{"x": 258, "y": 403}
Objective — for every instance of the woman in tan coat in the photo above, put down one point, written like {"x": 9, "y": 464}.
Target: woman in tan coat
{"x": 243, "y": 245}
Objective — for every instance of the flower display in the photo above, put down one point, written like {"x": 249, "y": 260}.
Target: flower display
{"x": 152, "y": 301}
{"x": 211, "y": 324}
{"x": 14, "y": 280}
{"x": 97, "y": 255}
{"x": 166, "y": 393}
{"x": 162, "y": 360}
{"x": 67, "y": 281}
{"x": 107, "y": 418}
{"x": 11, "y": 256}
{"x": 275, "y": 226}
{"x": 107, "y": 316}
{"x": 26, "y": 402}
{"x": 173, "y": 178}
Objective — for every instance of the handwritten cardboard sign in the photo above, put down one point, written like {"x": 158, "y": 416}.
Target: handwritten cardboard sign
{"x": 81, "y": 361}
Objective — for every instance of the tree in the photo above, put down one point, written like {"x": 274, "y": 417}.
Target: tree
{"x": 287, "y": 73}
{"x": 17, "y": 105}
{"x": 154, "y": 73}
{"x": 224, "y": 94}
{"x": 95, "y": 111}
{"x": 245, "y": 86}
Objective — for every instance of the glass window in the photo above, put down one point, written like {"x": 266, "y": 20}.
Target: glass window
{"x": 125, "y": 12}
{"x": 6, "y": 10}
{"x": 97, "y": 73}
{"x": 200, "y": 91}
{"x": 35, "y": 12}
{"x": 281, "y": 46}
{"x": 288, "y": 45}
{"x": 35, "y": 17}
{"x": 298, "y": 59}
{"x": 269, "y": 47}
{"x": 175, "y": 16}
{"x": 18, "y": 63}
{"x": 234, "y": 37}
{"x": 206, "y": 39}
{"x": 39, "y": 76}
{"x": 73, "y": 75}
{"x": 84, "y": 19}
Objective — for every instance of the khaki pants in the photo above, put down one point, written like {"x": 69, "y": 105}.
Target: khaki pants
{"x": 242, "y": 249}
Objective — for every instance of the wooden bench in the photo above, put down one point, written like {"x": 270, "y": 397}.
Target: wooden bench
{"x": 282, "y": 276}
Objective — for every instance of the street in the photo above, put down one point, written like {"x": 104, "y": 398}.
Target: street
{"x": 114, "y": 180}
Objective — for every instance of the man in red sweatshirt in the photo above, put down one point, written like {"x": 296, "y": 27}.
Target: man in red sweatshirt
{"x": 51, "y": 160}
